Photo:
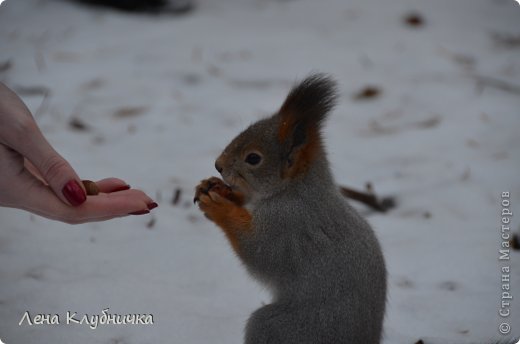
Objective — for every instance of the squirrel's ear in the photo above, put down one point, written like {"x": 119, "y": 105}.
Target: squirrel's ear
{"x": 300, "y": 118}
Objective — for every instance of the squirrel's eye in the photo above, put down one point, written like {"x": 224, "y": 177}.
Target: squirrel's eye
{"x": 253, "y": 159}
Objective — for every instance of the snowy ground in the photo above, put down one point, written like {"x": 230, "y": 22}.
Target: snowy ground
{"x": 161, "y": 96}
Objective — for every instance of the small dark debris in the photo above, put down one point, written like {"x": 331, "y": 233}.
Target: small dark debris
{"x": 464, "y": 60}
{"x": 172, "y": 7}
{"x": 214, "y": 70}
{"x": 151, "y": 223}
{"x": 191, "y": 79}
{"x": 6, "y": 65}
{"x": 98, "y": 139}
{"x": 369, "y": 199}
{"x": 369, "y": 187}
{"x": 252, "y": 84}
{"x": 405, "y": 283}
{"x": 35, "y": 273}
{"x": 472, "y": 143}
{"x": 420, "y": 341}
{"x": 482, "y": 82}
{"x": 429, "y": 122}
{"x": 378, "y": 129}
{"x": 93, "y": 84}
{"x": 448, "y": 285}
{"x": 130, "y": 111}
{"x": 388, "y": 203}
{"x": 500, "y": 155}
{"x": 466, "y": 175}
{"x": 414, "y": 19}
{"x": 463, "y": 331}
{"x": 32, "y": 90}
{"x": 77, "y": 124}
{"x": 117, "y": 340}
{"x": 176, "y": 196}
{"x": 131, "y": 129}
{"x": 427, "y": 215}
{"x": 504, "y": 40}
{"x": 180, "y": 7}
{"x": 368, "y": 92}
{"x": 515, "y": 242}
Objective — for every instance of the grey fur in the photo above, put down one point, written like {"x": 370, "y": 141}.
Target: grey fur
{"x": 316, "y": 254}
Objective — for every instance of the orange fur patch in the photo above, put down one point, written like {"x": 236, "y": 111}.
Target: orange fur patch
{"x": 230, "y": 216}
{"x": 285, "y": 127}
{"x": 305, "y": 155}
{"x": 233, "y": 220}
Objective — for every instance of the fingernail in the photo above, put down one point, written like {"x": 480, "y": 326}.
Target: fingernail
{"x": 152, "y": 205}
{"x": 121, "y": 188}
{"x": 74, "y": 193}
{"x": 140, "y": 212}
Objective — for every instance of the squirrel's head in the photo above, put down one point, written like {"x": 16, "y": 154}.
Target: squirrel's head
{"x": 273, "y": 152}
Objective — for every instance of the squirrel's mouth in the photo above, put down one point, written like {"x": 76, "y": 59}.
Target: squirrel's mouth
{"x": 228, "y": 180}
{"x": 235, "y": 181}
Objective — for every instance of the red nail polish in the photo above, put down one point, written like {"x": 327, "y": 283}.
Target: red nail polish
{"x": 152, "y": 205}
{"x": 74, "y": 193}
{"x": 140, "y": 212}
{"x": 121, "y": 188}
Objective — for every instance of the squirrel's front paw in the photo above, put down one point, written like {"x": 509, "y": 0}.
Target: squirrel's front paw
{"x": 212, "y": 184}
{"x": 212, "y": 196}
{"x": 223, "y": 206}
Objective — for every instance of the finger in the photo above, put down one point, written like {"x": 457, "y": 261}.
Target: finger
{"x": 33, "y": 170}
{"x": 36, "y": 197}
{"x": 54, "y": 169}
{"x": 109, "y": 185}
{"x": 97, "y": 208}
{"x": 115, "y": 204}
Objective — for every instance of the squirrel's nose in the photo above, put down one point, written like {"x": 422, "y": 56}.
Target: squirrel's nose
{"x": 218, "y": 167}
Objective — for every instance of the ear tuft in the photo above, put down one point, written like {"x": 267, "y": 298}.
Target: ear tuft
{"x": 300, "y": 120}
{"x": 308, "y": 104}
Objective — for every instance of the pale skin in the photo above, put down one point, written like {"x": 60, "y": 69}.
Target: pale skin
{"x": 34, "y": 177}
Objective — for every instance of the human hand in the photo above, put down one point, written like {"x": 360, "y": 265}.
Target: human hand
{"x": 34, "y": 177}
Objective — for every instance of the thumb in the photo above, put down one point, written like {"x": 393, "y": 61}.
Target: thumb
{"x": 56, "y": 171}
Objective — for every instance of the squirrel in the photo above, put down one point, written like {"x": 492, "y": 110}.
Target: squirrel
{"x": 286, "y": 220}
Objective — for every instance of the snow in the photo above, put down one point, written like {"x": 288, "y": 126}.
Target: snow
{"x": 445, "y": 144}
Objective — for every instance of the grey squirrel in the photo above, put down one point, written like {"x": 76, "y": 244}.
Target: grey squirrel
{"x": 283, "y": 214}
